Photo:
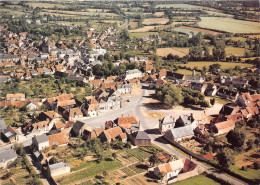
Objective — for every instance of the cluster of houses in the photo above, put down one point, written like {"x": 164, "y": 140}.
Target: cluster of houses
{"x": 187, "y": 126}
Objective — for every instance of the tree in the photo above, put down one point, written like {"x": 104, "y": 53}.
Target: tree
{"x": 225, "y": 158}
{"x": 53, "y": 160}
{"x": 250, "y": 144}
{"x": 218, "y": 51}
{"x": 236, "y": 138}
{"x": 195, "y": 53}
{"x": 153, "y": 159}
{"x": 114, "y": 155}
{"x": 214, "y": 67}
{"x": 170, "y": 95}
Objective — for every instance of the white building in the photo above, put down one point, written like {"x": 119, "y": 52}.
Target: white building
{"x": 131, "y": 74}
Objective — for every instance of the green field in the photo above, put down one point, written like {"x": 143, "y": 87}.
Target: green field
{"x": 224, "y": 65}
{"x": 198, "y": 180}
{"x": 92, "y": 170}
{"x": 229, "y": 25}
{"x": 250, "y": 173}
{"x": 142, "y": 34}
{"x": 187, "y": 31}
{"x": 183, "y": 6}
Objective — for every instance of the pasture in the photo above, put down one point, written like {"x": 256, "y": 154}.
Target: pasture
{"x": 155, "y": 21}
{"x": 187, "y": 30}
{"x": 163, "y": 52}
{"x": 224, "y": 65}
{"x": 229, "y": 25}
{"x": 182, "y": 6}
{"x": 142, "y": 34}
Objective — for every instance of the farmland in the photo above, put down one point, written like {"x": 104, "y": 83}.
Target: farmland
{"x": 229, "y": 25}
{"x": 182, "y": 6}
{"x": 200, "y": 30}
{"x": 224, "y": 65}
{"x": 175, "y": 51}
{"x": 155, "y": 21}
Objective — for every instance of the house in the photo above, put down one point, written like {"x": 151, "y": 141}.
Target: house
{"x": 126, "y": 122}
{"x": 10, "y": 134}
{"x": 185, "y": 120}
{"x": 131, "y": 74}
{"x": 57, "y": 169}
{"x": 176, "y": 170}
{"x": 93, "y": 134}
{"x": 222, "y": 127}
{"x": 32, "y": 106}
{"x": 162, "y": 73}
{"x": 229, "y": 109}
{"x": 75, "y": 114}
{"x": 123, "y": 89}
{"x": 240, "y": 82}
{"x": 40, "y": 142}
{"x": 78, "y": 129}
{"x": 15, "y": 97}
{"x": 179, "y": 134}
{"x": 166, "y": 123}
{"x": 140, "y": 138}
{"x": 226, "y": 93}
{"x": 110, "y": 134}
{"x": 246, "y": 98}
{"x": 123, "y": 137}
{"x": 198, "y": 87}
{"x": 6, "y": 157}
{"x": 42, "y": 126}
{"x": 200, "y": 118}
{"x": 58, "y": 139}
{"x": 211, "y": 90}
{"x": 169, "y": 170}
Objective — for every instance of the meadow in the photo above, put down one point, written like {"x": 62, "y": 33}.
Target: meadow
{"x": 229, "y": 25}
{"x": 182, "y": 6}
{"x": 163, "y": 52}
{"x": 155, "y": 21}
{"x": 224, "y": 65}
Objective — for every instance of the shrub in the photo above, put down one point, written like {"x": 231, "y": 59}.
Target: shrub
{"x": 244, "y": 168}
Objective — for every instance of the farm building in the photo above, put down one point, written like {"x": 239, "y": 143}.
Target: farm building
{"x": 179, "y": 134}
{"x": 58, "y": 169}
{"x": 140, "y": 138}
{"x": 166, "y": 123}
{"x": 7, "y": 156}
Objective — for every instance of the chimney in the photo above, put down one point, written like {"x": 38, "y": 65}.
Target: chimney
{"x": 190, "y": 158}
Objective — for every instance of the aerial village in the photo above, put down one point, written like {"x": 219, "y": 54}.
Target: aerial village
{"x": 73, "y": 111}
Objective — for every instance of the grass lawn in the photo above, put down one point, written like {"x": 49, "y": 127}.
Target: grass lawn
{"x": 9, "y": 122}
{"x": 224, "y": 65}
{"x": 198, "y": 180}
{"x": 250, "y": 173}
{"x": 93, "y": 169}
{"x": 184, "y": 71}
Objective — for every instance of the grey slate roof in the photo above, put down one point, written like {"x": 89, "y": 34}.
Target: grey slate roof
{"x": 2, "y": 124}
{"x": 6, "y": 155}
{"x": 181, "y": 132}
{"x": 42, "y": 138}
{"x": 57, "y": 166}
{"x": 167, "y": 120}
{"x": 142, "y": 135}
